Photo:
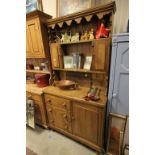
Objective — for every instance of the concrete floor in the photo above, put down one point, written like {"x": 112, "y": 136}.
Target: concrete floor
{"x": 47, "y": 142}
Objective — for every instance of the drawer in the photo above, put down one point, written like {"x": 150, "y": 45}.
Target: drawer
{"x": 34, "y": 96}
{"x": 58, "y": 102}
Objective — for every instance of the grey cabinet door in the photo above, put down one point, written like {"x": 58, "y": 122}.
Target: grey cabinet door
{"x": 119, "y": 75}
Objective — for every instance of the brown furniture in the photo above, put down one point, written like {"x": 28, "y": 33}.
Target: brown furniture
{"x": 37, "y": 96}
{"x": 71, "y": 115}
{"x": 36, "y": 35}
{"x": 68, "y": 111}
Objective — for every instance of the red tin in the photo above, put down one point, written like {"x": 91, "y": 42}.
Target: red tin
{"x": 42, "y": 80}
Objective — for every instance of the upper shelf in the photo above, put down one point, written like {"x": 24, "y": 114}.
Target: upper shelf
{"x": 79, "y": 70}
{"x": 76, "y": 42}
{"x": 82, "y": 41}
{"x": 37, "y": 71}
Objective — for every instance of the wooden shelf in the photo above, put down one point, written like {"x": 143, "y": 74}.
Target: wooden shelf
{"x": 82, "y": 41}
{"x": 79, "y": 70}
{"x": 76, "y": 42}
{"x": 37, "y": 71}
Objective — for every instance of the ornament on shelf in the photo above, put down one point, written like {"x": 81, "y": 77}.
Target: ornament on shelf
{"x": 65, "y": 37}
{"x": 102, "y": 32}
{"x": 75, "y": 37}
{"x": 91, "y": 34}
{"x": 85, "y": 36}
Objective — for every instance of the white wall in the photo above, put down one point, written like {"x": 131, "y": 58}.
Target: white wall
{"x": 120, "y": 19}
{"x": 49, "y": 7}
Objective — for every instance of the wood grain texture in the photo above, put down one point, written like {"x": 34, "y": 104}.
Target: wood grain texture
{"x": 40, "y": 112}
{"x": 33, "y": 88}
{"x": 36, "y": 35}
{"x": 82, "y": 122}
{"x": 76, "y": 95}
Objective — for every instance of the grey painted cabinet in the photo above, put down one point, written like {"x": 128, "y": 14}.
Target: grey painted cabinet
{"x": 118, "y": 96}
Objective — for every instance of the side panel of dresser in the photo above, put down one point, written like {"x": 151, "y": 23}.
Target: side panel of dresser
{"x": 40, "y": 112}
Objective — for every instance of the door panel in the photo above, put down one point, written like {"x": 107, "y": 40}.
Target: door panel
{"x": 36, "y": 39}
{"x": 120, "y": 102}
{"x": 61, "y": 119}
{"x": 29, "y": 50}
{"x": 85, "y": 123}
{"x": 101, "y": 54}
{"x": 37, "y": 113}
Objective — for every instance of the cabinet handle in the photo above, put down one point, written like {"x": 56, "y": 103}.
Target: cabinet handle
{"x": 64, "y": 104}
{"x": 52, "y": 121}
{"x": 66, "y": 127}
{"x": 50, "y": 110}
{"x": 49, "y": 101}
{"x": 73, "y": 118}
{"x": 65, "y": 116}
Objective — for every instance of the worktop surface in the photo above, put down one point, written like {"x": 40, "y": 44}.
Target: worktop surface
{"x": 33, "y": 88}
{"x": 77, "y": 95}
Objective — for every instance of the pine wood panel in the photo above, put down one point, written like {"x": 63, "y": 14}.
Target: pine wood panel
{"x": 61, "y": 103}
{"x": 58, "y": 116}
{"x": 29, "y": 49}
{"x": 40, "y": 113}
{"x": 55, "y": 55}
{"x": 85, "y": 122}
{"x": 37, "y": 37}
{"x": 77, "y": 95}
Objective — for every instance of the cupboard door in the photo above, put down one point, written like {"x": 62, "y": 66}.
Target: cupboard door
{"x": 49, "y": 110}
{"x": 101, "y": 54}
{"x": 56, "y": 58}
{"x": 37, "y": 113}
{"x": 36, "y": 38}
{"x": 61, "y": 119}
{"x": 29, "y": 50}
{"x": 85, "y": 122}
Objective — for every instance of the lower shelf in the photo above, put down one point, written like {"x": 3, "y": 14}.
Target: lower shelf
{"x": 37, "y": 71}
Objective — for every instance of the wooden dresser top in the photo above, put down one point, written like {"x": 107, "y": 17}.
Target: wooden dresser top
{"x": 33, "y": 88}
{"x": 76, "y": 95}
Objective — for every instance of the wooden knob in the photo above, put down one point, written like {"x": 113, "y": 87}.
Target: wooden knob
{"x": 66, "y": 126}
{"x": 64, "y": 104}
{"x": 73, "y": 118}
{"x": 50, "y": 110}
{"x": 49, "y": 101}
{"x": 52, "y": 121}
{"x": 65, "y": 116}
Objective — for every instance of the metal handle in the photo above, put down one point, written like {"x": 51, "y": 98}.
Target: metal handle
{"x": 114, "y": 95}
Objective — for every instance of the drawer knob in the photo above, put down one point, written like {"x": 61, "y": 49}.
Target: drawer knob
{"x": 65, "y": 116}
{"x": 49, "y": 101}
{"x": 64, "y": 104}
{"x": 73, "y": 118}
{"x": 66, "y": 127}
{"x": 50, "y": 110}
{"x": 52, "y": 121}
